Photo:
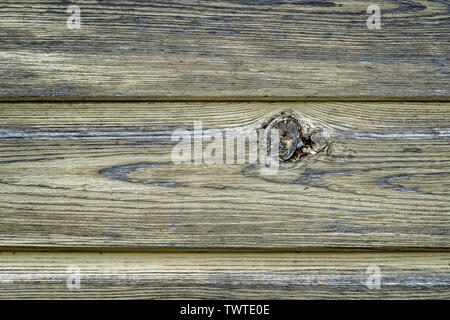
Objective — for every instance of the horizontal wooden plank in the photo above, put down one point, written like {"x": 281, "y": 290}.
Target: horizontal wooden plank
{"x": 102, "y": 176}
{"x": 224, "y": 48}
{"x": 38, "y": 275}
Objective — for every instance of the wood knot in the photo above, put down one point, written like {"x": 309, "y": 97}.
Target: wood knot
{"x": 299, "y": 139}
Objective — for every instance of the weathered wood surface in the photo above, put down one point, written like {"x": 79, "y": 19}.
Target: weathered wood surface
{"x": 27, "y": 275}
{"x": 224, "y": 49}
{"x": 101, "y": 176}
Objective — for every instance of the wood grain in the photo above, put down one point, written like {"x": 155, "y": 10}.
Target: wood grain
{"x": 101, "y": 176}
{"x": 28, "y": 275}
{"x": 225, "y": 49}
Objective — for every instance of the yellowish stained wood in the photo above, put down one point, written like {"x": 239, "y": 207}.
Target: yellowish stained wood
{"x": 90, "y": 175}
{"x": 198, "y": 49}
{"x": 95, "y": 176}
{"x": 27, "y": 275}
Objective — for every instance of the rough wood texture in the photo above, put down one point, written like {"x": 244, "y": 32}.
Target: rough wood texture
{"x": 236, "y": 48}
{"x": 27, "y": 275}
{"x": 101, "y": 175}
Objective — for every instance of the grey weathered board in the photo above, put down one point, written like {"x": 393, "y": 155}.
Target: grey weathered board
{"x": 217, "y": 49}
{"x": 100, "y": 175}
{"x": 124, "y": 275}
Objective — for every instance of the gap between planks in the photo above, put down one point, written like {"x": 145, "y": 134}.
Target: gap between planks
{"x": 219, "y": 250}
{"x": 180, "y": 99}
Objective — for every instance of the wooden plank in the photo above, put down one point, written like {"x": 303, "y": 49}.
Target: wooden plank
{"x": 244, "y": 48}
{"x": 27, "y": 275}
{"x": 101, "y": 176}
